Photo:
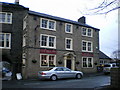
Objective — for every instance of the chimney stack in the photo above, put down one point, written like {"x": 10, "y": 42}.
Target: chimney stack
{"x": 16, "y": 1}
{"x": 82, "y": 20}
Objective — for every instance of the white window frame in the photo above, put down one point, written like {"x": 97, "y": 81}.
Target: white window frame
{"x": 25, "y": 22}
{"x": 48, "y": 55}
{"x": 48, "y": 20}
{"x": 87, "y": 32}
{"x": 24, "y": 40}
{"x": 87, "y": 46}
{"x": 5, "y": 41}
{"x": 87, "y": 62}
{"x": 6, "y": 18}
{"x": 71, "y": 29}
{"x": 71, "y": 44}
{"x": 48, "y": 36}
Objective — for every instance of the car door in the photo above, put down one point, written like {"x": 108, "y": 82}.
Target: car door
{"x": 60, "y": 72}
{"x": 68, "y": 73}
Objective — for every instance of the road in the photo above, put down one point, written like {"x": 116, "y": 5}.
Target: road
{"x": 85, "y": 82}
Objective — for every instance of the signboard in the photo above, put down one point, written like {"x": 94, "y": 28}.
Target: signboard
{"x": 48, "y": 51}
{"x": 87, "y": 54}
{"x": 19, "y": 76}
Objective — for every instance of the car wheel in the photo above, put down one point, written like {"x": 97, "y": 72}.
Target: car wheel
{"x": 53, "y": 77}
{"x": 78, "y": 76}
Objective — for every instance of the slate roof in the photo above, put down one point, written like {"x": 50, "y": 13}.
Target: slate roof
{"x": 13, "y": 5}
{"x": 103, "y": 55}
{"x": 60, "y": 19}
{"x": 51, "y": 17}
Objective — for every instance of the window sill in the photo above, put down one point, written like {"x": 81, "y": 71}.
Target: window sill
{"x": 4, "y": 48}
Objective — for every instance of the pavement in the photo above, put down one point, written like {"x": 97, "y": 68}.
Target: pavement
{"x": 105, "y": 87}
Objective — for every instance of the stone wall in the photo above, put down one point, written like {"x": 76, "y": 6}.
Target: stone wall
{"x": 115, "y": 77}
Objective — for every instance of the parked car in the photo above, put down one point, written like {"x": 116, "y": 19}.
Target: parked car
{"x": 58, "y": 73}
{"x": 107, "y": 68}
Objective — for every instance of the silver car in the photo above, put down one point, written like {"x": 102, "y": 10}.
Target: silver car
{"x": 107, "y": 68}
{"x": 58, "y": 73}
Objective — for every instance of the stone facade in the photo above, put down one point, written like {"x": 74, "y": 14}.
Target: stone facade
{"x": 32, "y": 51}
{"x": 13, "y": 54}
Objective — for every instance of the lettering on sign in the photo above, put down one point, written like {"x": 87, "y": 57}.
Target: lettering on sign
{"x": 47, "y": 51}
{"x": 87, "y": 54}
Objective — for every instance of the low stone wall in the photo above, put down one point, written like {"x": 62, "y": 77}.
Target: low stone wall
{"x": 115, "y": 77}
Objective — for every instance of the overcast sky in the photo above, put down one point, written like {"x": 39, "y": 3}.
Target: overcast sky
{"x": 71, "y": 9}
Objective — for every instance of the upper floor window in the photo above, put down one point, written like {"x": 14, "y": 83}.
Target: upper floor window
{"x": 48, "y": 24}
{"x": 5, "y": 17}
{"x": 5, "y": 40}
{"x": 24, "y": 40}
{"x": 48, "y": 41}
{"x": 68, "y": 28}
{"x": 87, "y": 32}
{"x": 25, "y": 23}
{"x": 87, "y": 46}
{"x": 68, "y": 44}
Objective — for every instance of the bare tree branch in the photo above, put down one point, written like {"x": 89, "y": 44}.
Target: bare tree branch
{"x": 104, "y": 8}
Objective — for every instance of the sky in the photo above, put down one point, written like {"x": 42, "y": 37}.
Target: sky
{"x": 71, "y": 9}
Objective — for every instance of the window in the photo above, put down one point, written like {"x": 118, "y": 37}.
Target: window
{"x": 51, "y": 25}
{"x": 87, "y": 46}
{"x": 86, "y": 32}
{"x": 44, "y": 23}
{"x": 68, "y": 44}
{"x": 48, "y": 41}
{"x": 47, "y": 60}
{"x": 89, "y": 33}
{"x": 68, "y": 28}
{"x": 48, "y": 24}
{"x": 24, "y": 23}
{"x": 87, "y": 62}
{"x": 84, "y": 45}
{"x": 44, "y": 40}
{"x": 5, "y": 17}
{"x": 23, "y": 59}
{"x": 24, "y": 40}
{"x": 5, "y": 40}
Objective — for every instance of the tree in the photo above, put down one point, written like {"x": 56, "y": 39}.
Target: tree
{"x": 116, "y": 57}
{"x": 105, "y": 7}
{"x": 116, "y": 54}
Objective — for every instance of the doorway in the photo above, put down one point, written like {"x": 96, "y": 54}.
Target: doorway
{"x": 68, "y": 64}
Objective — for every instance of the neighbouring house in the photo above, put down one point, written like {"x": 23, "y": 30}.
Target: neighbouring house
{"x": 11, "y": 28}
{"x": 103, "y": 58}
{"x": 33, "y": 41}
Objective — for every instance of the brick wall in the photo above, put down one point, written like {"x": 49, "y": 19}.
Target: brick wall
{"x": 115, "y": 77}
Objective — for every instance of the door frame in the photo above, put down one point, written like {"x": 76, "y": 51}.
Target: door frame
{"x": 72, "y": 55}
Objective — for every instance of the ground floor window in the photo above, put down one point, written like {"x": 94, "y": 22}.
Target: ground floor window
{"x": 87, "y": 62}
{"x": 47, "y": 60}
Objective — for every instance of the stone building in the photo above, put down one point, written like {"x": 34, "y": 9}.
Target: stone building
{"x": 11, "y": 28}
{"x": 32, "y": 41}
{"x": 104, "y": 59}
{"x": 50, "y": 41}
